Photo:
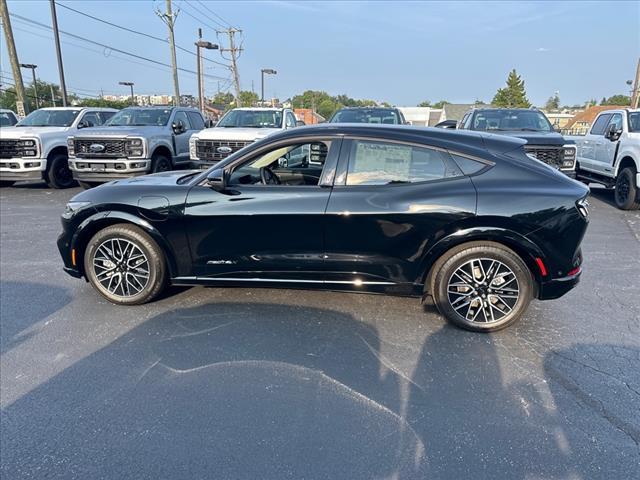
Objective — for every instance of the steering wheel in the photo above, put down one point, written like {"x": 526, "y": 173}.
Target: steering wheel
{"x": 268, "y": 177}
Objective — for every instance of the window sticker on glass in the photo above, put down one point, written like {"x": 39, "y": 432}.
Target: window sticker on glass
{"x": 376, "y": 164}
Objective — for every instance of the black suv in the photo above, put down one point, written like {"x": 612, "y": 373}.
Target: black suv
{"x": 384, "y": 115}
{"x": 543, "y": 142}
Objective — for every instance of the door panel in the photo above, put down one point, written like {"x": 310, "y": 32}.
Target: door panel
{"x": 270, "y": 231}
{"x": 182, "y": 140}
{"x": 605, "y": 151}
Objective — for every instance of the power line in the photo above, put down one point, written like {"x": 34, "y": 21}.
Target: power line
{"x": 214, "y": 13}
{"x": 159, "y": 39}
{"x": 202, "y": 13}
{"x": 124, "y": 52}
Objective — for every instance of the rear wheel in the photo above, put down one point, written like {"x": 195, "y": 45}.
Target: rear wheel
{"x": 6, "y": 183}
{"x": 160, "y": 163}
{"x": 482, "y": 286}
{"x": 626, "y": 192}
{"x": 58, "y": 174}
{"x": 125, "y": 265}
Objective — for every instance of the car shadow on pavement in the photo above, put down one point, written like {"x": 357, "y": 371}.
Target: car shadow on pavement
{"x": 605, "y": 195}
{"x": 15, "y": 325}
{"x": 261, "y": 390}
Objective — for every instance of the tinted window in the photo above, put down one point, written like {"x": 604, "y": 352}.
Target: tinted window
{"x": 366, "y": 115}
{"x": 252, "y": 119}
{"x": 197, "y": 123}
{"x": 468, "y": 166}
{"x": 634, "y": 122}
{"x": 601, "y": 124}
{"x": 511, "y": 120}
{"x": 141, "y": 117}
{"x": 7, "y": 119}
{"x": 379, "y": 163}
{"x": 182, "y": 117}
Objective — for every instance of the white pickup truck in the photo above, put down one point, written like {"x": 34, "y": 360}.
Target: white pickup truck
{"x": 36, "y": 148}
{"x": 236, "y": 129}
{"x": 610, "y": 155}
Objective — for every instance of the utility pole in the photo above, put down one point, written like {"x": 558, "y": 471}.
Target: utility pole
{"x": 199, "y": 45}
{"x": 130, "y": 85}
{"x": 13, "y": 58}
{"x": 53, "y": 98}
{"x": 234, "y": 52}
{"x": 170, "y": 19}
{"x": 56, "y": 37}
{"x": 635, "y": 96}
{"x": 35, "y": 83}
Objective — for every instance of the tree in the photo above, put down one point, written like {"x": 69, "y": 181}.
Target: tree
{"x": 225, "y": 99}
{"x": 513, "y": 95}
{"x": 553, "y": 103}
{"x": 8, "y": 96}
{"x": 101, "y": 102}
{"x": 440, "y": 104}
{"x": 426, "y": 103}
{"x": 620, "y": 100}
{"x": 248, "y": 99}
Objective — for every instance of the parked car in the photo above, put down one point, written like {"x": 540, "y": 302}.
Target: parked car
{"x": 237, "y": 129}
{"x": 610, "y": 155}
{"x": 543, "y": 142}
{"x": 466, "y": 218}
{"x": 389, "y": 116}
{"x": 447, "y": 124}
{"x": 36, "y": 148}
{"x": 7, "y": 118}
{"x": 135, "y": 141}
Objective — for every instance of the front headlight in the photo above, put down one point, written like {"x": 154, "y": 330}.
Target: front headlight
{"x": 569, "y": 156}
{"x": 72, "y": 207}
{"x": 28, "y": 147}
{"x": 193, "y": 155}
{"x": 70, "y": 147}
{"x": 134, "y": 147}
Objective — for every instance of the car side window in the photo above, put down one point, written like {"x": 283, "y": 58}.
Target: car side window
{"x": 197, "y": 123}
{"x": 464, "y": 120}
{"x": 467, "y": 165}
{"x": 91, "y": 119}
{"x": 104, "y": 116}
{"x": 601, "y": 124}
{"x": 382, "y": 163}
{"x": 290, "y": 120}
{"x": 182, "y": 116}
{"x": 616, "y": 120}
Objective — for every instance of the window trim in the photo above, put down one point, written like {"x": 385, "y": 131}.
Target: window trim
{"x": 345, "y": 157}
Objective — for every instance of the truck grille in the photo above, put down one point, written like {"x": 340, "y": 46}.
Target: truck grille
{"x": 10, "y": 149}
{"x": 208, "y": 149}
{"x": 550, "y": 155}
{"x": 112, "y": 148}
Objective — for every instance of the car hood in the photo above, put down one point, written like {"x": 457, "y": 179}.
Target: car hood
{"x": 534, "y": 138}
{"x": 18, "y": 132}
{"x": 248, "y": 134}
{"x": 124, "y": 131}
{"x": 164, "y": 178}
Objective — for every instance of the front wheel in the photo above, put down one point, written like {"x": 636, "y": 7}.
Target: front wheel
{"x": 482, "y": 286}
{"x": 160, "y": 163}
{"x": 58, "y": 174}
{"x": 626, "y": 192}
{"x": 125, "y": 265}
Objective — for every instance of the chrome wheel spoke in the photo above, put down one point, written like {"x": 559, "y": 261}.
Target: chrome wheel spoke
{"x": 121, "y": 267}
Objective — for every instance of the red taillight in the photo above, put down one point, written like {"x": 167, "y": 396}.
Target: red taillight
{"x": 573, "y": 272}
{"x": 543, "y": 269}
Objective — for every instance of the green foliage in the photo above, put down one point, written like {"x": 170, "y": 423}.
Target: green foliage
{"x": 101, "y": 102}
{"x": 8, "y": 96}
{"x": 620, "y": 100}
{"x": 426, "y": 103}
{"x": 225, "y": 99}
{"x": 326, "y": 105}
{"x": 513, "y": 95}
{"x": 248, "y": 99}
{"x": 553, "y": 103}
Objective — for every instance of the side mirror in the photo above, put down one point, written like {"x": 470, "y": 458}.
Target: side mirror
{"x": 300, "y": 123}
{"x": 84, "y": 124}
{"x": 209, "y": 123}
{"x": 217, "y": 179}
{"x": 612, "y": 133}
{"x": 178, "y": 127}
{"x": 283, "y": 162}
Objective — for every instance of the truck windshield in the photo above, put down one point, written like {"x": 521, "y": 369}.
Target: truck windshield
{"x": 252, "y": 119}
{"x": 49, "y": 118}
{"x": 634, "y": 121}
{"x": 7, "y": 119}
{"x": 366, "y": 115}
{"x": 513, "y": 120}
{"x": 141, "y": 117}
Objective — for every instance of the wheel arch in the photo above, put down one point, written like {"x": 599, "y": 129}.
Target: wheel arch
{"x": 519, "y": 244}
{"x": 162, "y": 149}
{"x": 93, "y": 224}
{"x": 627, "y": 161}
{"x": 60, "y": 149}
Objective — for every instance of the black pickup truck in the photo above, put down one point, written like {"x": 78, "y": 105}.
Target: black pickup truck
{"x": 543, "y": 142}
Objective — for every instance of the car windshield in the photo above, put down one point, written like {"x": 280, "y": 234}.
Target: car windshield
{"x": 523, "y": 120}
{"x": 252, "y": 119}
{"x": 634, "y": 121}
{"x": 49, "y": 118}
{"x": 141, "y": 117}
{"x": 366, "y": 115}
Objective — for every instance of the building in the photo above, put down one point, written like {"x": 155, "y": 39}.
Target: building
{"x": 581, "y": 122}
{"x": 558, "y": 119}
{"x": 308, "y": 116}
{"x": 421, "y": 116}
{"x": 455, "y": 111}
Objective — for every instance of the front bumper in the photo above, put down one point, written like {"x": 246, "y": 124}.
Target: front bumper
{"x": 107, "y": 169}
{"x": 15, "y": 169}
{"x": 569, "y": 173}
{"x": 557, "y": 287}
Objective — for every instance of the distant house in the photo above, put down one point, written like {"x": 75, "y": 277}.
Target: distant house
{"x": 308, "y": 116}
{"x": 581, "y": 122}
{"x": 559, "y": 120}
{"x": 455, "y": 111}
{"x": 421, "y": 116}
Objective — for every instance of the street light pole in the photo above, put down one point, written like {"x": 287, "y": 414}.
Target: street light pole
{"x": 35, "y": 83}
{"x": 129, "y": 84}
{"x": 268, "y": 71}
{"x": 209, "y": 46}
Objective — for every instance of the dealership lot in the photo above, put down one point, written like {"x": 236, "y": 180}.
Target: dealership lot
{"x": 260, "y": 383}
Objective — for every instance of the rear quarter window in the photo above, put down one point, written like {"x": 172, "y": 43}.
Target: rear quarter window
{"x": 467, "y": 165}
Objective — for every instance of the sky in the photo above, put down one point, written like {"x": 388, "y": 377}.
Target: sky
{"x": 399, "y": 52}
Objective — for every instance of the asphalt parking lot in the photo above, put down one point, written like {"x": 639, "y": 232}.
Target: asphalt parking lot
{"x": 260, "y": 383}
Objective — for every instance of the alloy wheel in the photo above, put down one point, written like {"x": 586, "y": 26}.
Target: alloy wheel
{"x": 622, "y": 189}
{"x": 121, "y": 267}
{"x": 483, "y": 290}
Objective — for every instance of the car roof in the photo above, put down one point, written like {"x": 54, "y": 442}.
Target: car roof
{"x": 266, "y": 109}
{"x": 101, "y": 109}
{"x": 372, "y": 107}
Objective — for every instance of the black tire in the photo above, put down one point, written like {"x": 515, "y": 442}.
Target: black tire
{"x": 492, "y": 305}
{"x": 106, "y": 272}
{"x": 88, "y": 185}
{"x": 58, "y": 174}
{"x": 160, "y": 163}
{"x": 6, "y": 183}
{"x": 626, "y": 192}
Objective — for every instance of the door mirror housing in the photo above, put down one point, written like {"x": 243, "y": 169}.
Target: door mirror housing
{"x": 178, "y": 127}
{"x": 217, "y": 179}
{"x": 84, "y": 124}
{"x": 612, "y": 133}
{"x": 300, "y": 123}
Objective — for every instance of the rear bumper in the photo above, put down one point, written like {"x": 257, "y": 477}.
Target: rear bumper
{"x": 557, "y": 287}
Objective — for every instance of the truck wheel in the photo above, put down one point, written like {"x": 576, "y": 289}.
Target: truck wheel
{"x": 482, "y": 286}
{"x": 6, "y": 183}
{"x": 58, "y": 174}
{"x": 160, "y": 163}
{"x": 626, "y": 193}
